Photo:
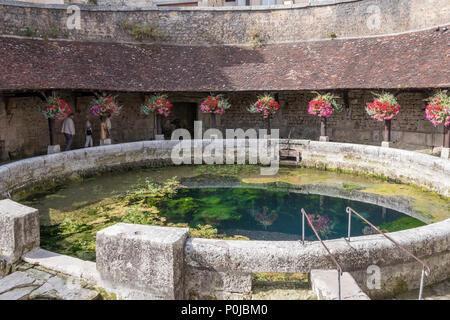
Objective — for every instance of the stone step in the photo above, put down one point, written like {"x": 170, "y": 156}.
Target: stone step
{"x": 33, "y": 284}
{"x": 325, "y": 284}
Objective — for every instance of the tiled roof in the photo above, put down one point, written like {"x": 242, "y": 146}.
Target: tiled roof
{"x": 411, "y": 60}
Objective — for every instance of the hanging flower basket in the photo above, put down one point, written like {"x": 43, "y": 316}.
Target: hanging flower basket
{"x": 438, "y": 109}
{"x": 215, "y": 104}
{"x": 385, "y": 107}
{"x": 104, "y": 107}
{"x": 266, "y": 105}
{"x": 54, "y": 108}
{"x": 157, "y": 104}
{"x": 324, "y": 105}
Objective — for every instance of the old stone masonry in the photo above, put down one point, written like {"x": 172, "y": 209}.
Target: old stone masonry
{"x": 30, "y": 282}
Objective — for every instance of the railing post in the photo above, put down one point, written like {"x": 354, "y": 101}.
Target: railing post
{"x": 349, "y": 223}
{"x": 421, "y": 283}
{"x": 303, "y": 228}
{"x": 339, "y": 283}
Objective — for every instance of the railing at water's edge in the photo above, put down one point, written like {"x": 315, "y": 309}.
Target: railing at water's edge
{"x": 425, "y": 268}
{"x": 338, "y": 266}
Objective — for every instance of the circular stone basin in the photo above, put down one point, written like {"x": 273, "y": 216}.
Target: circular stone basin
{"x": 225, "y": 202}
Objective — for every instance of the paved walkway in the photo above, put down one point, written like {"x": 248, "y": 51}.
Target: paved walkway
{"x": 30, "y": 282}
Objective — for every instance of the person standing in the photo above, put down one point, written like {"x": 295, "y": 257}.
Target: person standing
{"x": 108, "y": 126}
{"x": 68, "y": 129}
{"x": 102, "y": 131}
{"x": 89, "y": 142}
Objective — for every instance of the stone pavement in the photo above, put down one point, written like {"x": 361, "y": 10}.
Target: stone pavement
{"x": 30, "y": 282}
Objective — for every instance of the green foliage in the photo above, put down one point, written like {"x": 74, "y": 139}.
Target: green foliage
{"x": 53, "y": 32}
{"x": 138, "y": 217}
{"x": 331, "y": 98}
{"x": 442, "y": 96}
{"x": 332, "y": 34}
{"x": 386, "y": 97}
{"x": 29, "y": 32}
{"x": 151, "y": 194}
{"x": 141, "y": 32}
{"x": 254, "y": 34}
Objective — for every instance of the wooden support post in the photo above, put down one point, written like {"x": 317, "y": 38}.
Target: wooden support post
{"x": 158, "y": 124}
{"x": 213, "y": 120}
{"x": 446, "y": 137}
{"x": 51, "y": 131}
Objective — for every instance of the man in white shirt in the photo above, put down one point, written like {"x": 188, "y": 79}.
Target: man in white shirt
{"x": 68, "y": 128}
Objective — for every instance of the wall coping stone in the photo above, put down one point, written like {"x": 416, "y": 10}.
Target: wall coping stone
{"x": 144, "y": 8}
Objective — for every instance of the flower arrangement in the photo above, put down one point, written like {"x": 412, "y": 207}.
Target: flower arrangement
{"x": 215, "y": 104}
{"x": 104, "y": 106}
{"x": 324, "y": 105}
{"x": 320, "y": 223}
{"x": 54, "y": 108}
{"x": 266, "y": 104}
{"x": 438, "y": 109}
{"x": 385, "y": 107}
{"x": 157, "y": 104}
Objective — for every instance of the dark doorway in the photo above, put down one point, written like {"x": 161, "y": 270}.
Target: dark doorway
{"x": 183, "y": 116}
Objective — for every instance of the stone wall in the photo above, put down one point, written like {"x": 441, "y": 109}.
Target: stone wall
{"x": 230, "y": 25}
{"x": 406, "y": 166}
{"x": 24, "y": 132}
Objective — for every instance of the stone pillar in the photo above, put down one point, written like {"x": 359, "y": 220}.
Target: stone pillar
{"x": 323, "y": 130}
{"x": 19, "y": 231}
{"x": 445, "y": 152}
{"x": 387, "y": 134}
{"x": 142, "y": 262}
{"x": 105, "y": 142}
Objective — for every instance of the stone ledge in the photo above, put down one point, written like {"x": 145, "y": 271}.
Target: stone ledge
{"x": 318, "y": 3}
{"x": 325, "y": 284}
{"x": 64, "y": 264}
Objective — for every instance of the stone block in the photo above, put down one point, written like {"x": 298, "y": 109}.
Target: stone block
{"x": 324, "y": 138}
{"x": 53, "y": 149}
{"x": 159, "y": 137}
{"x": 325, "y": 284}
{"x": 19, "y": 229}
{"x": 212, "y": 284}
{"x": 386, "y": 144}
{"x": 445, "y": 153}
{"x": 142, "y": 262}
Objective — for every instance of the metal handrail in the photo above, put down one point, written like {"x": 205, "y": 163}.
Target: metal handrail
{"x": 425, "y": 268}
{"x": 338, "y": 266}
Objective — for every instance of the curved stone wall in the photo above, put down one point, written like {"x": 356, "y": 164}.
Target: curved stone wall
{"x": 209, "y": 259}
{"x": 406, "y": 166}
{"x": 229, "y": 25}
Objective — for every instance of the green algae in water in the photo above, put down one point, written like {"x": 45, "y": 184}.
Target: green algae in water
{"x": 401, "y": 223}
{"x": 261, "y": 214}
